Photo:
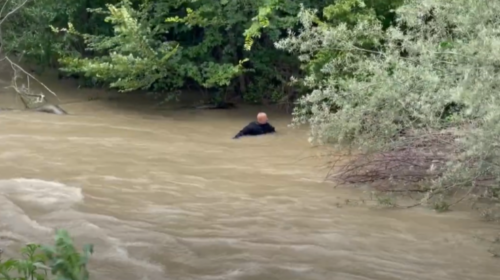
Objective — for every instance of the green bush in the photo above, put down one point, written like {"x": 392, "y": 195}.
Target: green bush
{"x": 61, "y": 261}
{"x": 422, "y": 93}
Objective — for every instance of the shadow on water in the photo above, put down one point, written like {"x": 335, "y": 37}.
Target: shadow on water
{"x": 169, "y": 195}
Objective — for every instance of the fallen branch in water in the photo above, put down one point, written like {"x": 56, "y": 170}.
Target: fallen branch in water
{"x": 418, "y": 163}
{"x": 23, "y": 91}
{"x": 414, "y": 159}
{"x": 27, "y": 96}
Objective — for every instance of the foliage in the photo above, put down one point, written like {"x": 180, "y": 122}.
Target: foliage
{"x": 393, "y": 87}
{"x": 202, "y": 44}
{"x": 27, "y": 32}
{"x": 132, "y": 61}
{"x": 221, "y": 47}
{"x": 62, "y": 260}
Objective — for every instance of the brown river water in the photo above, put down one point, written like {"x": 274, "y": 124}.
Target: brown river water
{"x": 169, "y": 195}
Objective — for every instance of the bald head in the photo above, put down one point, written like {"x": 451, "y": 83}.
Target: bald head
{"x": 262, "y": 118}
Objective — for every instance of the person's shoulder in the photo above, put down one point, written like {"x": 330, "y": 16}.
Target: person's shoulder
{"x": 250, "y": 125}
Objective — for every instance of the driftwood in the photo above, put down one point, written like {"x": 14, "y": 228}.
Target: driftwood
{"x": 51, "y": 109}
{"x": 413, "y": 160}
{"x": 47, "y": 108}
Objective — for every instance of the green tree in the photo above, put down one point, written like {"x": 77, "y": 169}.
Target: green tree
{"x": 27, "y": 31}
{"x": 223, "y": 47}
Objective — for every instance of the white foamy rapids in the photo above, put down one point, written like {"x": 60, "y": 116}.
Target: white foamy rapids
{"x": 45, "y": 194}
{"x": 31, "y": 210}
{"x": 16, "y": 226}
{"x": 18, "y": 223}
{"x": 114, "y": 239}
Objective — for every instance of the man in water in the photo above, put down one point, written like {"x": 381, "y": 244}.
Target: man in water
{"x": 261, "y": 126}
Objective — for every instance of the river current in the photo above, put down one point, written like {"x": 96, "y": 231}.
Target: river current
{"x": 167, "y": 194}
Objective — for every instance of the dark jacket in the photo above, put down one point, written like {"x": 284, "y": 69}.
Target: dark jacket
{"x": 254, "y": 128}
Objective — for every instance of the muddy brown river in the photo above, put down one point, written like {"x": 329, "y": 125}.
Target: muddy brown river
{"x": 169, "y": 195}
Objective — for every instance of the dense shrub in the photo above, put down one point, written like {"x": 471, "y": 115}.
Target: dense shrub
{"x": 422, "y": 93}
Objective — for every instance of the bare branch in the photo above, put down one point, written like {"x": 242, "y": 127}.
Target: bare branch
{"x": 29, "y": 75}
{"x": 24, "y": 91}
{"x": 11, "y": 12}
